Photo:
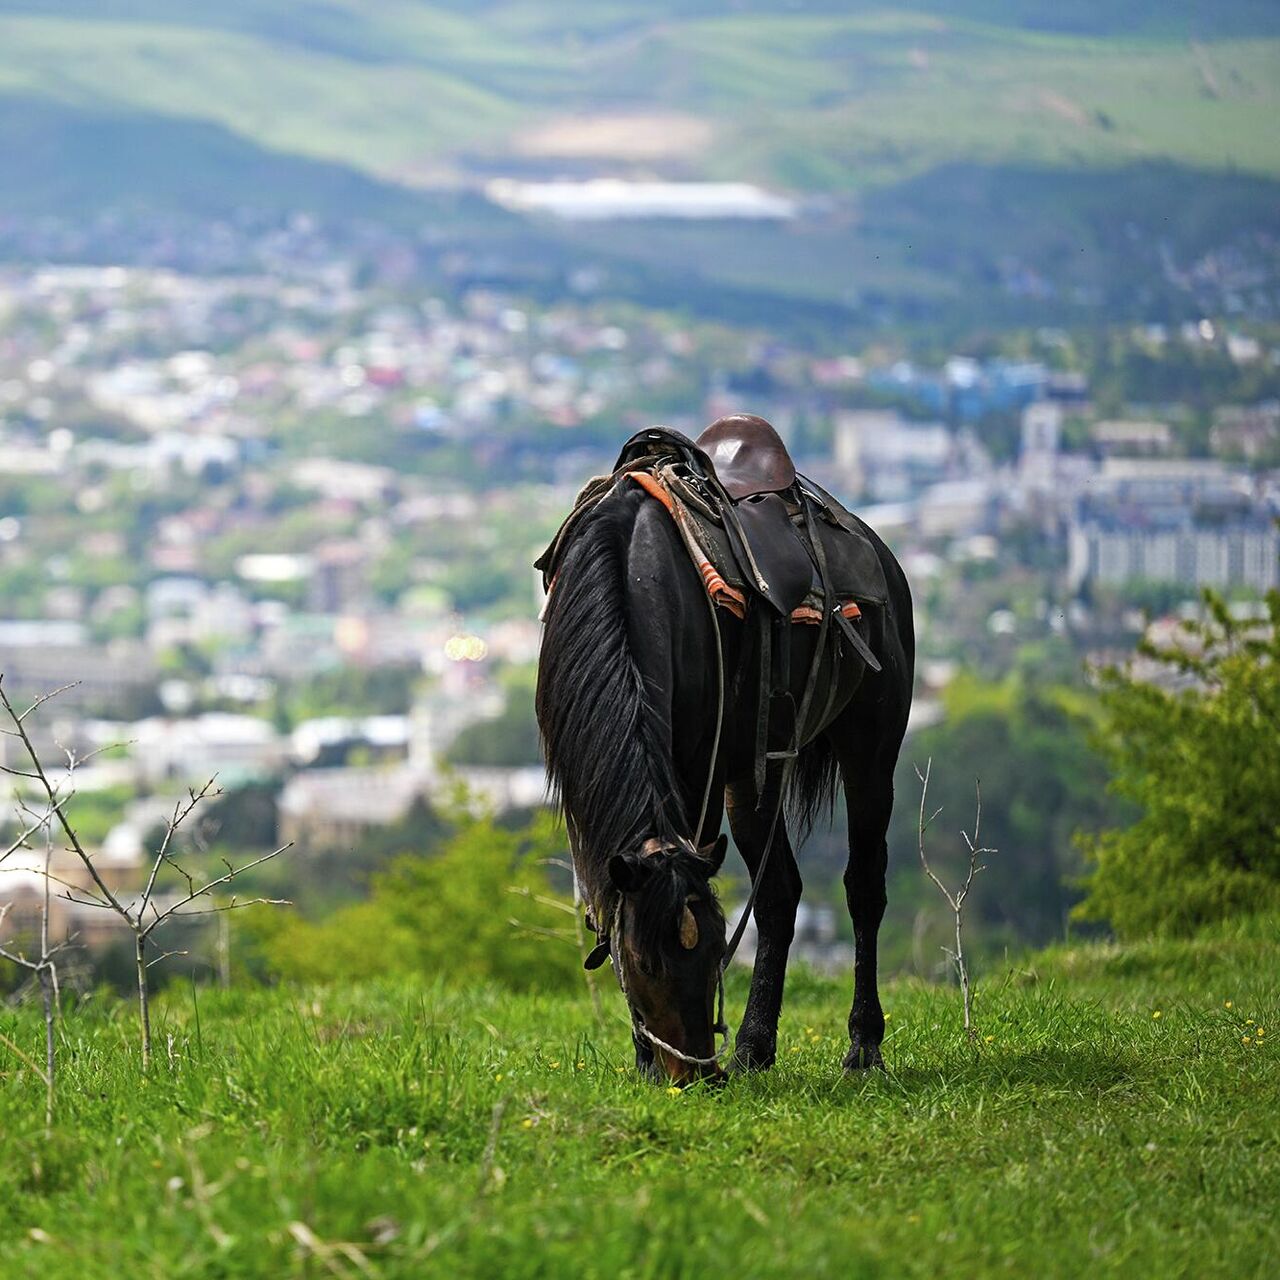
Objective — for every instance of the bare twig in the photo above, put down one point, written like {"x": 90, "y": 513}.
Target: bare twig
{"x": 176, "y": 908}
{"x": 491, "y": 1144}
{"x": 580, "y": 936}
{"x": 40, "y": 776}
{"x": 134, "y": 914}
{"x": 560, "y": 935}
{"x": 20, "y": 842}
{"x": 955, "y": 900}
{"x": 26, "y": 1057}
{"x": 44, "y": 966}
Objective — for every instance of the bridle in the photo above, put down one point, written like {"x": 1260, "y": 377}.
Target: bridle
{"x": 719, "y": 1028}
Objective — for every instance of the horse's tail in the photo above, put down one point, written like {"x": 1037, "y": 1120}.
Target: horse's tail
{"x": 812, "y": 789}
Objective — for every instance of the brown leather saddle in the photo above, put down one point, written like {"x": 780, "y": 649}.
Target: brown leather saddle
{"x": 764, "y": 527}
{"x": 775, "y": 536}
{"x": 748, "y": 456}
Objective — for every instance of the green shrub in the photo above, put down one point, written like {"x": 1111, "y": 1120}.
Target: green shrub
{"x": 1202, "y": 765}
{"x": 481, "y": 910}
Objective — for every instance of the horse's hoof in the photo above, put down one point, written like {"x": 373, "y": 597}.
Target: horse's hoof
{"x": 863, "y": 1057}
{"x": 749, "y": 1057}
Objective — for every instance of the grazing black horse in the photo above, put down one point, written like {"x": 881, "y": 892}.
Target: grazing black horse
{"x": 627, "y": 706}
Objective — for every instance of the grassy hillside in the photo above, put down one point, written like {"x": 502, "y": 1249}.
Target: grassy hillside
{"x": 1116, "y": 1117}
{"x": 947, "y": 143}
{"x": 826, "y": 98}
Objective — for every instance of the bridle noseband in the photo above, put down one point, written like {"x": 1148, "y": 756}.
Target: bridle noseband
{"x": 720, "y": 1027}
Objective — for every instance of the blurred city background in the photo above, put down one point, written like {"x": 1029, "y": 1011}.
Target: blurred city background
{"x": 314, "y": 317}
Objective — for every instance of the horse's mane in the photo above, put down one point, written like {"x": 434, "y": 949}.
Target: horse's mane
{"x": 609, "y": 769}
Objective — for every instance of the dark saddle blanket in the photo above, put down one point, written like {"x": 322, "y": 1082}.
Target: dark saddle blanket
{"x": 752, "y": 536}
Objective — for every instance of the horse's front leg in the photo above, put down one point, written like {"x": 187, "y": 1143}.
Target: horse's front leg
{"x": 756, "y": 1045}
{"x": 869, "y": 803}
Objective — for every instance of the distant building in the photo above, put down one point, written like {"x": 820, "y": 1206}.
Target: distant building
{"x": 334, "y": 808}
{"x": 339, "y": 577}
{"x": 1195, "y": 523}
{"x": 1121, "y": 437}
{"x": 1041, "y": 438}
{"x": 886, "y": 455}
{"x": 1246, "y": 431}
{"x": 39, "y": 656}
{"x": 965, "y": 390}
{"x": 503, "y": 788}
{"x": 22, "y": 887}
{"x": 234, "y": 747}
{"x": 1107, "y": 553}
{"x": 953, "y": 508}
{"x": 603, "y": 199}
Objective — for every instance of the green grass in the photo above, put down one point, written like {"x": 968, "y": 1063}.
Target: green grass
{"x": 403, "y": 1130}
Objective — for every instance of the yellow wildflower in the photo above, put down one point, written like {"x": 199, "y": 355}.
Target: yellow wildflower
{"x": 526, "y": 1123}
{"x": 674, "y": 1090}
{"x": 1226, "y": 1004}
{"x": 1158, "y": 1014}
{"x": 553, "y": 1065}
{"x": 989, "y": 1039}
{"x": 1245, "y": 1040}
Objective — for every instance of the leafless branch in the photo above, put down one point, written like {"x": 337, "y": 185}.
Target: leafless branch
{"x": 132, "y": 913}
{"x": 26, "y": 1057}
{"x": 560, "y": 935}
{"x": 42, "y": 699}
{"x": 181, "y": 812}
{"x": 955, "y": 900}
{"x": 176, "y": 908}
{"x": 21, "y": 841}
{"x": 522, "y": 891}
{"x": 45, "y": 966}
{"x": 235, "y": 904}
{"x": 51, "y": 791}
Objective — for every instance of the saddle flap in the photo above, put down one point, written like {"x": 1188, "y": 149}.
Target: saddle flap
{"x": 852, "y": 564}
{"x": 782, "y": 565}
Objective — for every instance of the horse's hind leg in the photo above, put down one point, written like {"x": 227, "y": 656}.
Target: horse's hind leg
{"x": 775, "y": 914}
{"x": 868, "y": 787}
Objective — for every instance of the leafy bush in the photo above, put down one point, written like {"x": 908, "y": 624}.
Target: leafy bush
{"x": 449, "y": 916}
{"x": 1197, "y": 754}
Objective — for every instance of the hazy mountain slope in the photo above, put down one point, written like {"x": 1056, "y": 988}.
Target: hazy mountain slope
{"x": 824, "y": 100}
{"x": 1039, "y": 155}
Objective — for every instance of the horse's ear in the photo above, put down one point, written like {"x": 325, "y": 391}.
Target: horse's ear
{"x": 714, "y": 852}
{"x": 628, "y": 872}
{"x": 599, "y": 954}
{"x": 688, "y": 929}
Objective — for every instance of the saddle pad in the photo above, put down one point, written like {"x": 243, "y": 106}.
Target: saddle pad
{"x": 853, "y": 566}
{"x": 667, "y": 464}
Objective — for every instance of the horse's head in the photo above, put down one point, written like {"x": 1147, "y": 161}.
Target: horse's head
{"x": 668, "y": 941}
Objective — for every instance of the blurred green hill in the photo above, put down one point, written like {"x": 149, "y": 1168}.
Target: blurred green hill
{"x": 821, "y": 97}
{"x": 882, "y": 116}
